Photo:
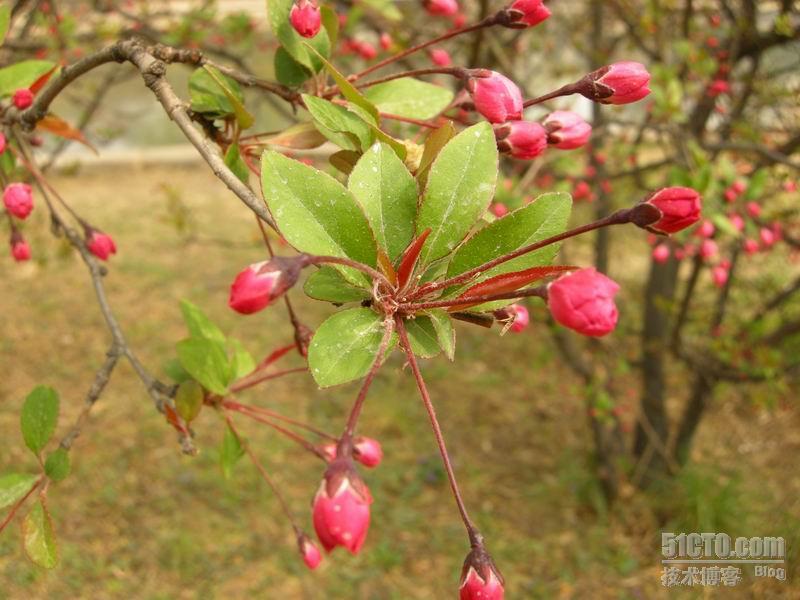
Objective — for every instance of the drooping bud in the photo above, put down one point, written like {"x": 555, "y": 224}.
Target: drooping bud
{"x": 521, "y": 139}
{"x": 20, "y": 249}
{"x": 661, "y": 253}
{"x": 719, "y": 275}
{"x": 367, "y": 451}
{"x": 566, "y": 130}
{"x": 341, "y": 508}
{"x": 708, "y": 249}
{"x": 480, "y": 579}
{"x": 583, "y": 300}
{"x": 309, "y": 551}
{"x": 441, "y": 8}
{"x": 619, "y": 83}
{"x": 100, "y": 244}
{"x": 261, "y": 283}
{"x": 524, "y": 13}
{"x": 441, "y": 57}
{"x": 306, "y": 18}
{"x": 521, "y": 318}
{"x": 18, "y": 199}
{"x": 22, "y": 98}
{"x": 495, "y": 96}
{"x": 679, "y": 206}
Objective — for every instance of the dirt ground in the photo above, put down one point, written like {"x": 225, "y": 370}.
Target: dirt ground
{"x": 136, "y": 519}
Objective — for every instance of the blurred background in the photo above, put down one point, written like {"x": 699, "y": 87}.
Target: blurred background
{"x": 573, "y": 454}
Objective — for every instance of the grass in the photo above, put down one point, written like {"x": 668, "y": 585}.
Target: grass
{"x": 136, "y": 519}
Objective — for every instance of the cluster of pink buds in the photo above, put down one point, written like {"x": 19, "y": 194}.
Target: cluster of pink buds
{"x": 306, "y": 18}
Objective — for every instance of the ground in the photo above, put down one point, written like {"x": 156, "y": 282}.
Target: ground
{"x": 136, "y": 519}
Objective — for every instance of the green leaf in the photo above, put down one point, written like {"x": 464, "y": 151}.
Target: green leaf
{"x": 460, "y": 186}
{"x": 388, "y": 194}
{"x": 205, "y": 360}
{"x": 189, "y": 400}
{"x": 445, "y": 332}
{"x": 57, "y": 466}
{"x": 341, "y": 126}
{"x": 175, "y": 371}
{"x": 293, "y": 42}
{"x": 39, "y": 538}
{"x": 234, "y": 95}
{"x": 543, "y": 218}
{"x": 423, "y": 337}
{"x": 229, "y": 453}
{"x": 330, "y": 21}
{"x": 344, "y": 346}
{"x": 328, "y": 285}
{"x": 242, "y": 362}
{"x": 234, "y": 161}
{"x": 22, "y": 75}
{"x": 316, "y": 213}
{"x": 39, "y": 417}
{"x": 287, "y": 70}
{"x": 198, "y": 324}
{"x": 209, "y": 96}
{"x": 410, "y": 98}
{"x": 756, "y": 184}
{"x": 14, "y": 486}
{"x": 5, "y": 21}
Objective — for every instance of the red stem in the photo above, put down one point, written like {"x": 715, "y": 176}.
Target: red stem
{"x": 19, "y": 503}
{"x": 247, "y": 383}
{"x": 566, "y": 90}
{"x": 269, "y": 413}
{"x": 472, "y": 531}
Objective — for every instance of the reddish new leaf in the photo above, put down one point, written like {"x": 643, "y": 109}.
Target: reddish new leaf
{"x": 274, "y": 356}
{"x": 40, "y": 83}
{"x": 507, "y": 282}
{"x": 58, "y": 126}
{"x": 409, "y": 259}
{"x": 386, "y": 266}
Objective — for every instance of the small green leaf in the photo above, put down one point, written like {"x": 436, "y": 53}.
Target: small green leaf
{"x": 445, "y": 332}
{"x": 233, "y": 160}
{"x": 543, "y": 218}
{"x": 242, "y": 362}
{"x": 460, "y": 186}
{"x": 423, "y": 337}
{"x": 410, "y": 98}
{"x": 57, "y": 465}
{"x": 208, "y": 96}
{"x": 328, "y": 285}
{"x": 14, "y": 486}
{"x": 287, "y": 70}
{"x": 22, "y": 75}
{"x": 234, "y": 95}
{"x": 330, "y": 21}
{"x": 343, "y": 127}
{"x": 316, "y": 213}
{"x": 229, "y": 453}
{"x": 344, "y": 346}
{"x": 189, "y": 400}
{"x": 39, "y": 417}
{"x": 205, "y": 360}
{"x": 756, "y": 184}
{"x": 388, "y": 194}
{"x": 39, "y": 538}
{"x": 175, "y": 371}
{"x": 5, "y": 21}
{"x": 199, "y": 325}
{"x": 292, "y": 42}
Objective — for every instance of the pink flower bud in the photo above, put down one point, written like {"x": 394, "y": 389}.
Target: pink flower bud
{"x": 499, "y": 209}
{"x": 661, "y": 253}
{"x": 309, "y": 551}
{"x": 521, "y": 139}
{"x": 789, "y": 186}
{"x": 20, "y": 249}
{"x": 706, "y": 229}
{"x": 708, "y": 249}
{"x": 619, "y": 83}
{"x": 583, "y": 300}
{"x": 306, "y": 18}
{"x": 566, "y": 130}
{"x": 582, "y": 191}
{"x": 480, "y": 579}
{"x": 441, "y": 8}
{"x": 496, "y": 97}
{"x": 3, "y": 143}
{"x": 750, "y": 246}
{"x": 527, "y": 12}
{"x": 753, "y": 209}
{"x": 18, "y": 199}
{"x": 731, "y": 195}
{"x": 368, "y": 452}
{"x": 718, "y": 87}
{"x": 679, "y": 206}
{"x": 386, "y": 41}
{"x": 459, "y": 20}
{"x": 719, "y": 275}
{"x": 22, "y": 98}
{"x": 767, "y": 236}
{"x": 341, "y": 508}
{"x": 260, "y": 283}
{"x": 367, "y": 51}
{"x": 739, "y": 185}
{"x": 100, "y": 244}
{"x": 521, "y": 318}
{"x": 737, "y": 222}
{"x": 441, "y": 57}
